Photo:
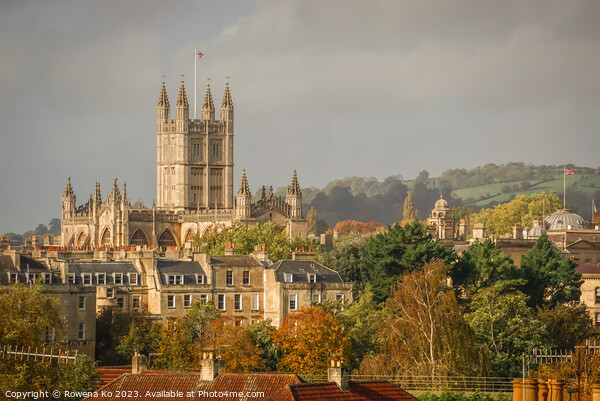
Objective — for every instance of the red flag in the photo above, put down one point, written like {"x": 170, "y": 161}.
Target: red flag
{"x": 568, "y": 172}
{"x": 199, "y": 54}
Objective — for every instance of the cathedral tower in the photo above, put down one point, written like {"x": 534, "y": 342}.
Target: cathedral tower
{"x": 194, "y": 157}
{"x": 244, "y": 199}
{"x": 294, "y": 198}
{"x": 68, "y": 201}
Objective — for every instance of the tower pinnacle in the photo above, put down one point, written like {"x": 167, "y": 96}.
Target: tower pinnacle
{"x": 163, "y": 99}
{"x": 182, "y": 97}
{"x": 208, "y": 107}
{"x": 244, "y": 187}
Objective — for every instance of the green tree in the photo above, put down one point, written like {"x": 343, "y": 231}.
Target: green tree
{"x": 112, "y": 325}
{"x": 565, "y": 324}
{"x": 503, "y": 322}
{"x": 409, "y": 213}
{"x": 27, "y": 312}
{"x": 143, "y": 336}
{"x": 261, "y": 334}
{"x": 484, "y": 265}
{"x": 522, "y": 209}
{"x": 551, "y": 278}
{"x": 197, "y": 319}
{"x": 389, "y": 254}
{"x": 176, "y": 351}
{"x": 346, "y": 258}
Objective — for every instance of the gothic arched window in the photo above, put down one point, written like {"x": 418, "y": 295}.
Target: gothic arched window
{"x": 167, "y": 239}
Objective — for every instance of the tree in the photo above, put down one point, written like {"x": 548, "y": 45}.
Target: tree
{"x": 409, "y": 213}
{"x": 54, "y": 226}
{"x": 311, "y": 220}
{"x": 522, "y": 209}
{"x": 112, "y": 325}
{"x": 232, "y": 343}
{"x": 503, "y": 322}
{"x": 484, "y": 265}
{"x": 261, "y": 334}
{"x": 389, "y": 254}
{"x": 565, "y": 324}
{"x": 246, "y": 237}
{"x": 27, "y": 312}
{"x": 424, "y": 332}
{"x": 346, "y": 258}
{"x": 198, "y": 317}
{"x": 551, "y": 278}
{"x": 176, "y": 351}
{"x": 307, "y": 338}
{"x": 347, "y": 227}
{"x": 143, "y": 337}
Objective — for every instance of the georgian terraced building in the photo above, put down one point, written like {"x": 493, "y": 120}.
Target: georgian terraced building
{"x": 194, "y": 188}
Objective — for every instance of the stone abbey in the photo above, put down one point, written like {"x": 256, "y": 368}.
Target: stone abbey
{"x": 194, "y": 188}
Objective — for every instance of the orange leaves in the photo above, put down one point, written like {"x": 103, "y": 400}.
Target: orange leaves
{"x": 306, "y": 339}
{"x": 350, "y": 226}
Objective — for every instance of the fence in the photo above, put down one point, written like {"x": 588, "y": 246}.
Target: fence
{"x": 589, "y": 347}
{"x": 419, "y": 384}
{"x": 25, "y": 354}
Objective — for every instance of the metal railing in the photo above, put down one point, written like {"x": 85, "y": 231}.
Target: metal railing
{"x": 29, "y": 353}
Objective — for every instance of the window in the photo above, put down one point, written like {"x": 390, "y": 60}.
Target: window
{"x": 31, "y": 277}
{"x": 173, "y": 279}
{"x": 120, "y": 302}
{"x": 80, "y": 331}
{"x": 101, "y": 278}
{"x": 81, "y": 302}
{"x": 170, "y": 301}
{"x": 312, "y": 278}
{"x": 293, "y": 302}
{"x": 187, "y": 301}
{"x": 598, "y": 295}
{"x": 246, "y": 277}
{"x": 133, "y": 278}
{"x": 289, "y": 277}
{"x": 597, "y": 319}
{"x": 339, "y": 297}
{"x": 316, "y": 298}
{"x": 71, "y": 278}
{"x": 49, "y": 336}
{"x": 203, "y": 299}
{"x": 47, "y": 278}
{"x": 86, "y": 278}
{"x": 12, "y": 278}
{"x": 136, "y": 301}
{"x": 237, "y": 302}
{"x": 200, "y": 279}
{"x": 229, "y": 277}
{"x": 118, "y": 277}
{"x": 110, "y": 293}
{"x": 254, "y": 302}
{"x": 221, "y": 302}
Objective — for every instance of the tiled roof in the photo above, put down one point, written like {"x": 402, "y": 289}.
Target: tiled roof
{"x": 588, "y": 269}
{"x": 320, "y": 392}
{"x": 158, "y": 387}
{"x": 101, "y": 267}
{"x": 379, "y": 391}
{"x": 6, "y": 264}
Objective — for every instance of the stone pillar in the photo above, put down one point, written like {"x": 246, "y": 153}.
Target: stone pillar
{"x": 209, "y": 367}
{"x": 556, "y": 390}
{"x": 542, "y": 390}
{"x": 531, "y": 390}
{"x": 337, "y": 374}
{"x": 596, "y": 392}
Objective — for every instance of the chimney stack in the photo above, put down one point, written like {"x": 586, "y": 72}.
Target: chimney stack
{"x": 337, "y": 374}
{"x": 209, "y": 367}
{"x": 139, "y": 363}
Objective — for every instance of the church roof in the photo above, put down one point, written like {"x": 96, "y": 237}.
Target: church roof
{"x": 441, "y": 204}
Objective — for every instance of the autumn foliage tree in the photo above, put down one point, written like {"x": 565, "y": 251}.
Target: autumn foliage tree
{"x": 424, "y": 332}
{"x": 307, "y": 338}
{"x": 346, "y": 227}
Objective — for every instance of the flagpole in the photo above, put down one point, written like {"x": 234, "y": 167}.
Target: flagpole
{"x": 195, "y": 64}
{"x": 564, "y": 187}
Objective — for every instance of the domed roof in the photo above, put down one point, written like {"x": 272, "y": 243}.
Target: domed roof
{"x": 441, "y": 204}
{"x": 565, "y": 219}
{"x": 537, "y": 230}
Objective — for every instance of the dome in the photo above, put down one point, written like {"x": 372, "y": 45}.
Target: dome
{"x": 441, "y": 204}
{"x": 536, "y": 231}
{"x": 565, "y": 219}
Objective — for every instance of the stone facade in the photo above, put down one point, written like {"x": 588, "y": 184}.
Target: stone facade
{"x": 194, "y": 188}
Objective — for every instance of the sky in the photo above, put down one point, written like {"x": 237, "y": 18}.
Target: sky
{"x": 330, "y": 88}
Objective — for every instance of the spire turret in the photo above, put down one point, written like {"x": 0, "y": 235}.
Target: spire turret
{"x": 208, "y": 107}
{"x": 244, "y": 187}
{"x": 69, "y": 188}
{"x": 182, "y": 97}
{"x": 163, "y": 107}
{"x": 227, "y": 102}
{"x": 294, "y": 198}
{"x": 244, "y": 199}
{"x": 115, "y": 194}
{"x": 294, "y": 187}
{"x": 227, "y": 108}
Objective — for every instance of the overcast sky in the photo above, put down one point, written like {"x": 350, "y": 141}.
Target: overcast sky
{"x": 331, "y": 88}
